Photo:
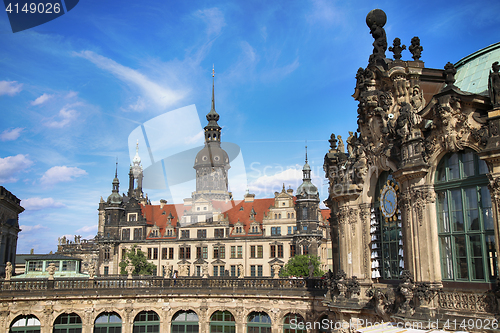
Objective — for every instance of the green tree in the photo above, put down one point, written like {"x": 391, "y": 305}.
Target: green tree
{"x": 138, "y": 259}
{"x": 299, "y": 266}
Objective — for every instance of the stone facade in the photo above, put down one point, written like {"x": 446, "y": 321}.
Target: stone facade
{"x": 414, "y": 200}
{"x": 46, "y": 301}
{"x": 10, "y": 208}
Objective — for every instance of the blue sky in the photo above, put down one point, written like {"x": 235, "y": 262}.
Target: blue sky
{"x": 72, "y": 90}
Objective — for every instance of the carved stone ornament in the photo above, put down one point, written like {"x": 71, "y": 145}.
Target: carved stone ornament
{"x": 375, "y": 20}
{"x": 397, "y": 48}
{"x": 415, "y": 48}
{"x": 406, "y": 288}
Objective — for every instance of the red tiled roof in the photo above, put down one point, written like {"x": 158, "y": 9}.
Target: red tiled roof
{"x": 232, "y": 210}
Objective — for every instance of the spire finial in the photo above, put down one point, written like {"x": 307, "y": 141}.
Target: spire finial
{"x": 213, "y": 87}
{"x": 137, "y": 146}
{"x": 116, "y": 168}
{"x": 306, "y": 151}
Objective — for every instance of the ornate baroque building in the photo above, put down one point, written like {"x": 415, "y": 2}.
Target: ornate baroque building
{"x": 10, "y": 208}
{"x": 210, "y": 233}
{"x": 415, "y": 199}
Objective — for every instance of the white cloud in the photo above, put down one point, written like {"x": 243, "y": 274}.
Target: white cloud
{"x": 88, "y": 228}
{"x": 66, "y": 116}
{"x": 161, "y": 96}
{"x": 59, "y": 174}
{"x": 11, "y": 165}
{"x": 140, "y": 105}
{"x": 42, "y": 99}
{"x": 71, "y": 94}
{"x": 268, "y": 184}
{"x": 214, "y": 19}
{"x": 40, "y": 203}
{"x": 28, "y": 228}
{"x": 10, "y": 88}
{"x": 11, "y": 134}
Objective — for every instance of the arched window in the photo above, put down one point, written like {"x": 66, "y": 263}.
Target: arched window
{"x": 385, "y": 228}
{"x": 147, "y": 321}
{"x": 258, "y": 322}
{"x": 324, "y": 325}
{"x": 25, "y": 324}
{"x": 108, "y": 322}
{"x": 294, "y": 323}
{"x": 304, "y": 213}
{"x": 465, "y": 219}
{"x": 222, "y": 322}
{"x": 185, "y": 322}
{"x": 68, "y": 323}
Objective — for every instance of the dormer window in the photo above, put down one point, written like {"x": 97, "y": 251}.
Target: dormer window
{"x": 132, "y": 217}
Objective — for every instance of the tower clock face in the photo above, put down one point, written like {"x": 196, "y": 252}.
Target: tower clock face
{"x": 388, "y": 200}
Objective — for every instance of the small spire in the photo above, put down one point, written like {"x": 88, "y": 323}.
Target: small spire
{"x": 116, "y": 169}
{"x": 306, "y": 151}
{"x": 213, "y": 87}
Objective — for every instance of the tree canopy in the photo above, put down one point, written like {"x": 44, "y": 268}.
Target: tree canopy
{"x": 299, "y": 266}
{"x": 139, "y": 260}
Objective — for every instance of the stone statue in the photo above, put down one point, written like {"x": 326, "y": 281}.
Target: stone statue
{"x": 241, "y": 270}
{"x": 417, "y": 99}
{"x": 376, "y": 20}
{"x": 333, "y": 143}
{"x": 129, "y": 269}
{"x": 415, "y": 48}
{"x": 205, "y": 270}
{"x": 168, "y": 271}
{"x": 311, "y": 269}
{"x": 397, "y": 48}
{"x": 8, "y": 270}
{"x": 276, "y": 271}
{"x": 341, "y": 144}
{"x": 64, "y": 240}
{"x": 183, "y": 270}
{"x": 449, "y": 74}
{"x": 494, "y": 85}
{"x": 51, "y": 269}
{"x": 350, "y": 143}
{"x": 91, "y": 271}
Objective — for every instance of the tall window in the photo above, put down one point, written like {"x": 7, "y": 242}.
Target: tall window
{"x": 185, "y": 322}
{"x": 108, "y": 322}
{"x": 147, "y": 321}
{"x": 240, "y": 252}
{"x": 465, "y": 219}
{"x": 258, "y": 322}
{"x": 68, "y": 323}
{"x": 222, "y": 322}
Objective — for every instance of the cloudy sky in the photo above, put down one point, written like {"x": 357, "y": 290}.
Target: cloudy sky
{"x": 74, "y": 89}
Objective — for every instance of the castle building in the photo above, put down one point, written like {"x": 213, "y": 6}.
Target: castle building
{"x": 415, "y": 199}
{"x": 210, "y": 233}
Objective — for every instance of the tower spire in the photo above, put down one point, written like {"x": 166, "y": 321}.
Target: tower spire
{"x": 116, "y": 168}
{"x": 213, "y": 87}
{"x": 212, "y": 130}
